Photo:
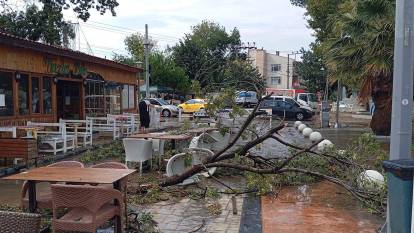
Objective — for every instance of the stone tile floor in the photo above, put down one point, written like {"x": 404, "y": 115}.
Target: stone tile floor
{"x": 190, "y": 215}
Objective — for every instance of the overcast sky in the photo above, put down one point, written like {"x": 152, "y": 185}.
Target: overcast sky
{"x": 272, "y": 24}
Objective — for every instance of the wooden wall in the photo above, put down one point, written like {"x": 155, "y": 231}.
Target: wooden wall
{"x": 30, "y": 61}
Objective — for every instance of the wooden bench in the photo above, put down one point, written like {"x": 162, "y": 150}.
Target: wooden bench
{"x": 24, "y": 148}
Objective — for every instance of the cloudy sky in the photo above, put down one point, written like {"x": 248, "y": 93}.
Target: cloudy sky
{"x": 272, "y": 24}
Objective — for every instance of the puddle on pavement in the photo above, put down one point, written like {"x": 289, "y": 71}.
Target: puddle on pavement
{"x": 320, "y": 207}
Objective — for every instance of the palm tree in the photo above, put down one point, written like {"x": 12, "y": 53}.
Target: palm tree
{"x": 360, "y": 53}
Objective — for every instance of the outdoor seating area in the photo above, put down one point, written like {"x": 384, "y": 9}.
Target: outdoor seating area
{"x": 80, "y": 198}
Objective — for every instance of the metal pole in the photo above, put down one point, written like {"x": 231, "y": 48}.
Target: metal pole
{"x": 288, "y": 71}
{"x": 147, "y": 92}
{"x": 337, "y": 104}
{"x": 401, "y": 124}
{"x": 403, "y": 82}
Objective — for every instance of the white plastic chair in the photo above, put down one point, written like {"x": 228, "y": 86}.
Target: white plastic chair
{"x": 221, "y": 140}
{"x": 158, "y": 149}
{"x": 176, "y": 166}
{"x": 199, "y": 156}
{"x": 137, "y": 150}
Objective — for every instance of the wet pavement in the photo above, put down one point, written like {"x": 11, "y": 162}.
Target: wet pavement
{"x": 321, "y": 207}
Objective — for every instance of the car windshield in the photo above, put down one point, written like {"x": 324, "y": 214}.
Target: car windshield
{"x": 162, "y": 102}
{"x": 245, "y": 94}
{"x": 312, "y": 98}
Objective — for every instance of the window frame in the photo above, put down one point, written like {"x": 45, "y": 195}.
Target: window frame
{"x": 275, "y": 67}
{"x": 276, "y": 78}
{"x": 14, "y": 94}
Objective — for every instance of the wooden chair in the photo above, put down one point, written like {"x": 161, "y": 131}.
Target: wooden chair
{"x": 15, "y": 222}
{"x": 84, "y": 208}
{"x": 57, "y": 138}
{"x": 85, "y": 131}
{"x": 102, "y": 124}
{"x": 45, "y": 201}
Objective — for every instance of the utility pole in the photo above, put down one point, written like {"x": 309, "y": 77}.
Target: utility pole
{"x": 147, "y": 74}
{"x": 399, "y": 211}
{"x": 288, "y": 72}
{"x": 339, "y": 95}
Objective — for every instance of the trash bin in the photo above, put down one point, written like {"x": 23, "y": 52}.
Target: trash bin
{"x": 325, "y": 114}
{"x": 400, "y": 194}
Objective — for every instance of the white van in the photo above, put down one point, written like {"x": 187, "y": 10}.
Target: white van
{"x": 247, "y": 98}
{"x": 307, "y": 99}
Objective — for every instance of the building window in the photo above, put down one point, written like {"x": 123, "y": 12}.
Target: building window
{"x": 128, "y": 97}
{"x": 23, "y": 94}
{"x": 35, "y": 95}
{"x": 112, "y": 98}
{"x": 47, "y": 95}
{"x": 6, "y": 94}
{"x": 95, "y": 99}
{"x": 276, "y": 67}
{"x": 275, "y": 80}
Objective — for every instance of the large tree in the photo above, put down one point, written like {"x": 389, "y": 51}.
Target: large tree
{"x": 46, "y": 24}
{"x": 358, "y": 42}
{"x": 311, "y": 69}
{"x": 164, "y": 72}
{"x": 81, "y": 8}
{"x": 205, "y": 51}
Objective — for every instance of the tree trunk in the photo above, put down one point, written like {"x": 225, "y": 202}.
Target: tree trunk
{"x": 382, "y": 97}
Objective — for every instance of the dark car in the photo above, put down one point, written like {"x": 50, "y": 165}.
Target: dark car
{"x": 286, "y": 110}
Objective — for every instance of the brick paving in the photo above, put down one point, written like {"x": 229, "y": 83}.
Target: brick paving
{"x": 190, "y": 215}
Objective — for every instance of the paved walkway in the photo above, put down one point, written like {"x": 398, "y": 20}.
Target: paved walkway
{"x": 192, "y": 216}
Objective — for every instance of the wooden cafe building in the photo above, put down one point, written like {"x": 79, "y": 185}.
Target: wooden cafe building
{"x": 39, "y": 82}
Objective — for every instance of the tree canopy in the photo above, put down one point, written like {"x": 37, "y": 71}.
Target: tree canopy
{"x": 81, "y": 8}
{"x": 357, "y": 40}
{"x": 205, "y": 51}
{"x": 36, "y": 24}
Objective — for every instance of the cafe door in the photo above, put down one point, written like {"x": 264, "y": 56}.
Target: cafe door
{"x": 69, "y": 99}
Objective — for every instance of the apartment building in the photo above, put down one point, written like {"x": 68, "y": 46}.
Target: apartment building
{"x": 274, "y": 68}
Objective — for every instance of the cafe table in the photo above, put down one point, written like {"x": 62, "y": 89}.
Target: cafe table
{"x": 163, "y": 136}
{"x": 71, "y": 175}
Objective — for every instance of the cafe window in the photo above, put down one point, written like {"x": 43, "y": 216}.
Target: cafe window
{"x": 95, "y": 99}
{"x": 23, "y": 91}
{"x": 112, "y": 98}
{"x": 47, "y": 95}
{"x": 128, "y": 97}
{"x": 6, "y": 94}
{"x": 35, "y": 95}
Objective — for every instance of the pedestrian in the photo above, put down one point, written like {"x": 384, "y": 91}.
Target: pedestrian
{"x": 144, "y": 116}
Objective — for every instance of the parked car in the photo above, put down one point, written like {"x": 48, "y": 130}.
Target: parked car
{"x": 168, "y": 110}
{"x": 247, "y": 98}
{"x": 287, "y": 110}
{"x": 193, "y": 105}
{"x": 290, "y": 100}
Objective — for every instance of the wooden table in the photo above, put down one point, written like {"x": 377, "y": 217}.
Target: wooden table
{"x": 72, "y": 175}
{"x": 202, "y": 130}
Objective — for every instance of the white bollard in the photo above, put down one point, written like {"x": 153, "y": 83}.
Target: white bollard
{"x": 306, "y": 132}
{"x": 179, "y": 115}
{"x": 302, "y": 127}
{"x": 315, "y": 136}
{"x": 297, "y": 123}
{"x": 325, "y": 144}
{"x": 370, "y": 179}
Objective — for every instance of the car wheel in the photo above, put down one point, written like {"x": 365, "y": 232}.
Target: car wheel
{"x": 300, "y": 116}
{"x": 166, "y": 113}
